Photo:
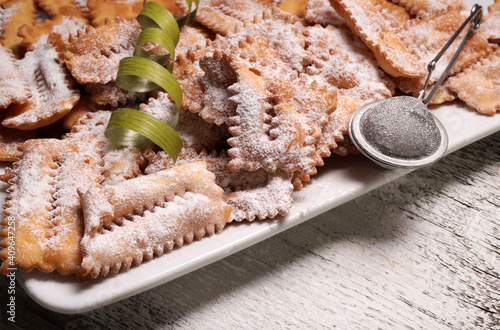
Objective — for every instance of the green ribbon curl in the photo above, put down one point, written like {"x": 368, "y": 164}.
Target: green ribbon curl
{"x": 145, "y": 72}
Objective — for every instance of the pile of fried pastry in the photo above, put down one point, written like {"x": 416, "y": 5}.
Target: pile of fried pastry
{"x": 268, "y": 90}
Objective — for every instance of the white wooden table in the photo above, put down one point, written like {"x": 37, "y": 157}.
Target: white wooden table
{"x": 422, "y": 252}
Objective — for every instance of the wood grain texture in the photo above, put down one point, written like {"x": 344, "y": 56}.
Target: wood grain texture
{"x": 422, "y": 252}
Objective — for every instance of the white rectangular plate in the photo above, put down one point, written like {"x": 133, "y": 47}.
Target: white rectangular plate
{"x": 339, "y": 181}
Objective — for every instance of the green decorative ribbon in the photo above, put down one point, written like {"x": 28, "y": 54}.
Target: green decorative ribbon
{"x": 145, "y": 72}
{"x": 190, "y": 17}
{"x": 134, "y": 128}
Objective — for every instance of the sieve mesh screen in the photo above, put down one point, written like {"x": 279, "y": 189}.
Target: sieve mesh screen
{"x": 401, "y": 127}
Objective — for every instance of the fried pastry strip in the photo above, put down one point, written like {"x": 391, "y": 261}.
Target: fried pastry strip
{"x": 93, "y": 57}
{"x": 223, "y": 17}
{"x": 13, "y": 87}
{"x": 283, "y": 32}
{"x": 405, "y": 38}
{"x": 44, "y": 201}
{"x": 343, "y": 60}
{"x": 215, "y": 78}
{"x": 100, "y": 10}
{"x": 332, "y": 59}
{"x": 63, "y": 26}
{"x": 13, "y": 15}
{"x": 205, "y": 94}
{"x": 83, "y": 107}
{"x": 308, "y": 96}
{"x": 321, "y": 12}
{"x": 259, "y": 194}
{"x": 267, "y": 132}
{"x": 153, "y": 212}
{"x": 119, "y": 163}
{"x": 51, "y": 90}
{"x": 425, "y": 8}
{"x": 431, "y": 34}
{"x": 59, "y": 8}
{"x": 376, "y": 22}
{"x": 293, "y": 7}
{"x": 479, "y": 85}
{"x": 11, "y": 142}
{"x": 190, "y": 49}
{"x": 490, "y": 27}
{"x": 112, "y": 94}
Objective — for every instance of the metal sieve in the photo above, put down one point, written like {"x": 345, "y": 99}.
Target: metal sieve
{"x": 400, "y": 131}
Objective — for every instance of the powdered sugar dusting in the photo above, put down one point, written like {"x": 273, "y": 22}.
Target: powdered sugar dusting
{"x": 94, "y": 56}
{"x": 262, "y": 199}
{"x": 82, "y": 5}
{"x": 429, "y": 8}
{"x": 160, "y": 107}
{"x": 33, "y": 189}
{"x": 190, "y": 204}
{"x": 143, "y": 233}
{"x": 51, "y": 93}
{"x": 190, "y": 39}
{"x": 266, "y": 135}
{"x": 251, "y": 194}
{"x": 43, "y": 198}
{"x": 120, "y": 163}
{"x": 224, "y": 16}
{"x": 69, "y": 26}
{"x": 479, "y": 85}
{"x": 344, "y": 61}
{"x": 192, "y": 129}
{"x": 379, "y": 28}
{"x": 490, "y": 28}
{"x": 44, "y": 60}
{"x": 112, "y": 94}
{"x": 13, "y": 88}
{"x": 6, "y": 13}
{"x": 321, "y": 12}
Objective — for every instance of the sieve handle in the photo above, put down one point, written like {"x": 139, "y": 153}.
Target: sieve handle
{"x": 475, "y": 20}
